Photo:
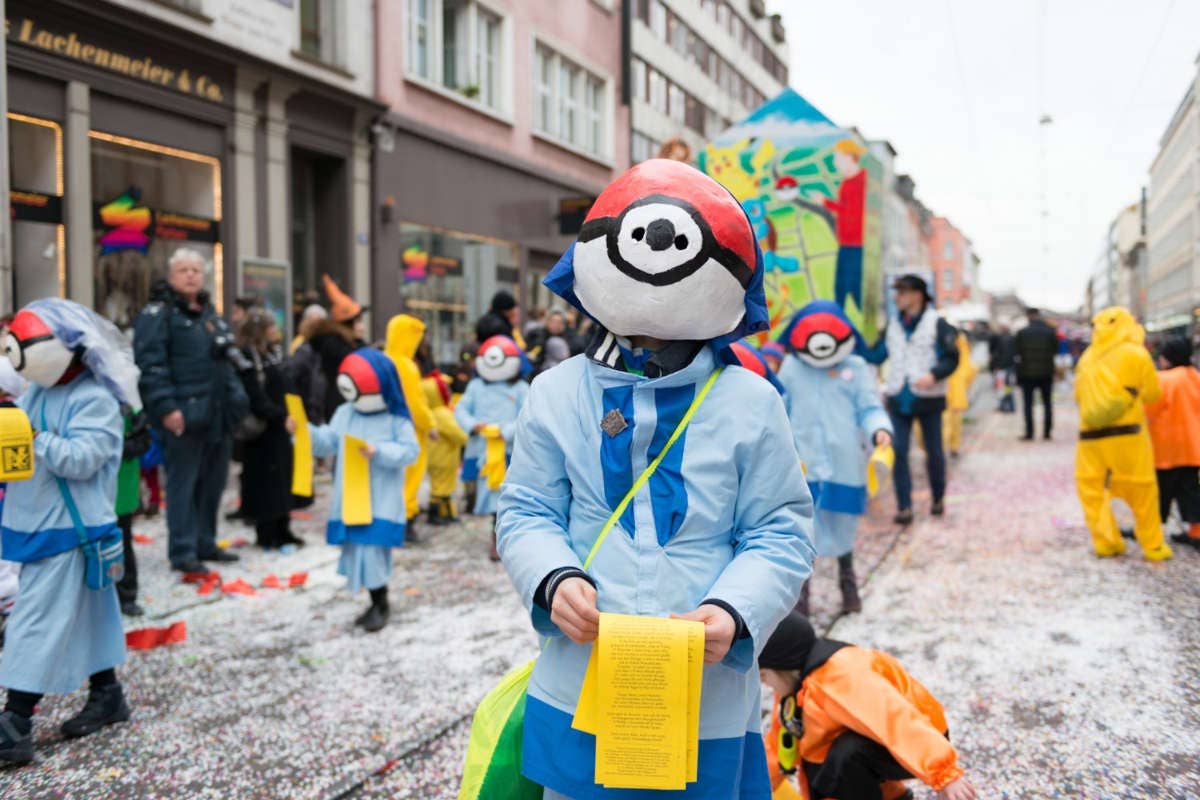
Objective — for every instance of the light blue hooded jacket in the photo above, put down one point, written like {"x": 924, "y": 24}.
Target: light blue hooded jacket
{"x": 727, "y": 516}
{"x": 81, "y": 441}
{"x": 496, "y": 403}
{"x": 834, "y": 413}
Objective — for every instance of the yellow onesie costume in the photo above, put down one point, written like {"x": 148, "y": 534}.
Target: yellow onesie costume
{"x": 958, "y": 388}
{"x": 1117, "y": 460}
{"x": 445, "y": 452}
{"x": 403, "y": 337}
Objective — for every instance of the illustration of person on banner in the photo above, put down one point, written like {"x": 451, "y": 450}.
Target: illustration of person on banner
{"x": 717, "y": 519}
{"x": 835, "y": 409}
{"x": 61, "y": 524}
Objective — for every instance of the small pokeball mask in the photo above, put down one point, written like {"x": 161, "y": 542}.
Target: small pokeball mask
{"x": 665, "y": 252}
{"x": 821, "y": 336}
{"x": 359, "y": 385}
{"x": 35, "y": 352}
{"x": 499, "y": 360}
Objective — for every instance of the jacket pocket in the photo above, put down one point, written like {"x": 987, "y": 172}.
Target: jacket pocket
{"x": 196, "y": 412}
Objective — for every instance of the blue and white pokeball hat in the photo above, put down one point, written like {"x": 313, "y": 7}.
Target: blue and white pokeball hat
{"x": 666, "y": 252}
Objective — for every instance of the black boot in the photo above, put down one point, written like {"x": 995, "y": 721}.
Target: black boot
{"x": 105, "y": 705}
{"x": 411, "y": 534}
{"x": 16, "y": 738}
{"x": 848, "y": 583}
{"x": 802, "y": 604}
{"x": 377, "y": 615}
{"x": 494, "y": 554}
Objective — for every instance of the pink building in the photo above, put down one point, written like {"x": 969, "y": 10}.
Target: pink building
{"x": 506, "y": 117}
{"x": 950, "y": 258}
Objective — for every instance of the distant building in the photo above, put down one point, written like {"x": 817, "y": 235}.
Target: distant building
{"x": 950, "y": 258}
{"x": 895, "y": 211}
{"x": 1173, "y": 220}
{"x": 1119, "y": 275}
{"x": 698, "y": 66}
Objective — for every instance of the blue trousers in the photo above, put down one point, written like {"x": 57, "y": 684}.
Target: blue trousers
{"x": 196, "y": 474}
{"x": 847, "y": 280}
{"x": 935, "y": 456}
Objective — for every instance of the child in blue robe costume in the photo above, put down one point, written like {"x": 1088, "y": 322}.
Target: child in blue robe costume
{"x": 80, "y": 370}
{"x": 375, "y": 412}
{"x": 494, "y": 397}
{"x": 668, "y": 266}
{"x": 835, "y": 409}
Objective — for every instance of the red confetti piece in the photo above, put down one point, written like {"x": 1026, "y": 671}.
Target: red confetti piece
{"x": 238, "y": 587}
{"x": 271, "y": 582}
{"x": 239, "y": 542}
{"x": 201, "y": 577}
{"x": 301, "y": 515}
{"x": 207, "y": 587}
{"x": 297, "y": 579}
{"x": 143, "y": 539}
{"x": 150, "y": 638}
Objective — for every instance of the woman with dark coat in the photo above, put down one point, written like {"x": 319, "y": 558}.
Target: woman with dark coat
{"x": 267, "y": 458}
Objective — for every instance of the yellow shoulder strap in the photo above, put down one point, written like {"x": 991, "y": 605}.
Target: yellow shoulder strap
{"x": 645, "y": 476}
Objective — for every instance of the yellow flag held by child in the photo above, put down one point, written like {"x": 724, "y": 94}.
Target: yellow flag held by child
{"x": 302, "y": 457}
{"x": 356, "y": 483}
{"x": 494, "y": 462}
{"x": 880, "y": 464}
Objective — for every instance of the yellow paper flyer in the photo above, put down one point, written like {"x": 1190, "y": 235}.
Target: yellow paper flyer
{"x": 302, "y": 458}
{"x": 643, "y": 732}
{"x": 586, "y": 709}
{"x": 695, "y": 665}
{"x": 356, "y": 483}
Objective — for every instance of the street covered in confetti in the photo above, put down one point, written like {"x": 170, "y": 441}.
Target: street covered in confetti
{"x": 1062, "y": 675}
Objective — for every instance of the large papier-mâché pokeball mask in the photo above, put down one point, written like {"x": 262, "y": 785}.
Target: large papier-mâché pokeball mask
{"x": 34, "y": 351}
{"x": 666, "y": 252}
{"x": 498, "y": 360}
{"x": 822, "y": 339}
{"x": 359, "y": 385}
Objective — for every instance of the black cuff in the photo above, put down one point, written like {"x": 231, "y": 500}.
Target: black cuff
{"x": 742, "y": 631}
{"x": 543, "y": 597}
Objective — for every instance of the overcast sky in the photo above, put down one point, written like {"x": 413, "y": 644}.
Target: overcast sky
{"x": 953, "y": 85}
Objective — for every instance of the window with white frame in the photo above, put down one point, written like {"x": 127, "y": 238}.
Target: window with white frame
{"x": 458, "y": 44}
{"x": 319, "y": 30}
{"x": 642, "y": 147}
{"x": 570, "y": 102}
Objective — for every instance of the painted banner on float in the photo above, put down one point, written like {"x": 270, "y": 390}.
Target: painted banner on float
{"x": 814, "y": 193}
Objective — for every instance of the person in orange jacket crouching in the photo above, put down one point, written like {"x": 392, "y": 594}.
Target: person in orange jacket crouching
{"x": 852, "y": 722}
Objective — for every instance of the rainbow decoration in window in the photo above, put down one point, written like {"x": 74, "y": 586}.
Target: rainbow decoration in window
{"x": 416, "y": 265}
{"x": 126, "y": 224}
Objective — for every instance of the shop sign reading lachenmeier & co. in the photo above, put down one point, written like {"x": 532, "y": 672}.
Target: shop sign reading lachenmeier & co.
{"x": 27, "y": 32}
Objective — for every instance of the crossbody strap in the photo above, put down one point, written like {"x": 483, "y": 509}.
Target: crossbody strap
{"x": 646, "y": 473}
{"x": 65, "y": 491}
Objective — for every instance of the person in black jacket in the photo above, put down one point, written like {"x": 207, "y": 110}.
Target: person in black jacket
{"x": 1036, "y": 346}
{"x": 500, "y": 320}
{"x": 192, "y": 394}
{"x": 1001, "y": 359}
{"x": 266, "y": 458}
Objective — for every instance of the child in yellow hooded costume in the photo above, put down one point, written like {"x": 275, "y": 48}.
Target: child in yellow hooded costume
{"x": 1115, "y": 378}
{"x": 404, "y": 334}
{"x": 445, "y": 451}
{"x": 958, "y": 388}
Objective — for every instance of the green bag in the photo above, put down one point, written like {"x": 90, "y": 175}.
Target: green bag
{"x": 492, "y": 767}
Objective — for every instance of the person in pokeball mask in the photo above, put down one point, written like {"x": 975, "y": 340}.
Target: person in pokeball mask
{"x": 375, "y": 412}
{"x": 62, "y": 631}
{"x": 836, "y": 414}
{"x": 488, "y": 412}
{"x": 720, "y": 530}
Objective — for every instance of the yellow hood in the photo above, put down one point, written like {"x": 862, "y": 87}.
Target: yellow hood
{"x": 403, "y": 336}
{"x": 1113, "y": 326}
{"x": 433, "y": 395}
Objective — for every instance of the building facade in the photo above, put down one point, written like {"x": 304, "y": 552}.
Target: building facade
{"x": 1173, "y": 220}
{"x": 506, "y": 119}
{"x": 698, "y": 66}
{"x": 237, "y": 129}
{"x": 951, "y": 258}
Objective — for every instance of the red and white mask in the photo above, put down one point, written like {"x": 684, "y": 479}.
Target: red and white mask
{"x": 822, "y": 339}
{"x": 359, "y": 385}
{"x": 499, "y": 360}
{"x": 666, "y": 252}
{"x": 34, "y": 351}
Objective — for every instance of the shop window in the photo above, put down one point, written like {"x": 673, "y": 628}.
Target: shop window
{"x": 458, "y": 44}
{"x": 36, "y": 175}
{"x": 150, "y": 201}
{"x": 319, "y": 30}
{"x": 570, "y": 102}
{"x": 447, "y": 278}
